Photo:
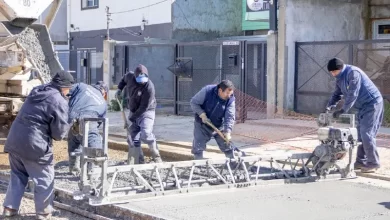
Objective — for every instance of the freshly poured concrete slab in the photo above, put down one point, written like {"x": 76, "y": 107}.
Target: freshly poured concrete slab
{"x": 336, "y": 200}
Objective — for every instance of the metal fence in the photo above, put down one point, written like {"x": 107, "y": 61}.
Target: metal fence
{"x": 86, "y": 65}
{"x": 242, "y": 62}
{"x": 314, "y": 85}
{"x": 156, "y": 57}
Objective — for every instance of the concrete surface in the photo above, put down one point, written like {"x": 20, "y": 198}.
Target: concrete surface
{"x": 334, "y": 200}
{"x": 255, "y": 137}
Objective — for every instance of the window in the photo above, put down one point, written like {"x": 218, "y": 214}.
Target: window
{"x": 89, "y": 4}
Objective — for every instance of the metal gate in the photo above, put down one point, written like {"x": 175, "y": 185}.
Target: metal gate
{"x": 212, "y": 62}
{"x": 242, "y": 62}
{"x": 86, "y": 65}
{"x": 314, "y": 85}
{"x": 156, "y": 57}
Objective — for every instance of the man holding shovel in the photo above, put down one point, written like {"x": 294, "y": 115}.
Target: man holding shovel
{"x": 142, "y": 104}
{"x": 213, "y": 105}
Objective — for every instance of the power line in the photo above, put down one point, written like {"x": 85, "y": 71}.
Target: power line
{"x": 128, "y": 30}
{"x": 135, "y": 9}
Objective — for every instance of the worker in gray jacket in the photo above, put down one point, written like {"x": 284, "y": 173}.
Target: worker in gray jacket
{"x": 42, "y": 118}
{"x": 360, "y": 93}
{"x": 141, "y": 97}
{"x": 216, "y": 104}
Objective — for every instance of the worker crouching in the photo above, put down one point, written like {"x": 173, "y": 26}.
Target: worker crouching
{"x": 215, "y": 104}
{"x": 86, "y": 101}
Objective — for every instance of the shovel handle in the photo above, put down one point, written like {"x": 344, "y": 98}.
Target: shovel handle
{"x": 216, "y": 130}
{"x": 123, "y": 112}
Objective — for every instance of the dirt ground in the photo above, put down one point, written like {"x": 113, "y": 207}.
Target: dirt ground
{"x": 60, "y": 154}
{"x": 27, "y": 210}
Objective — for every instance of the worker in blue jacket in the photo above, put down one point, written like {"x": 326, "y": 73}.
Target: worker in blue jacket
{"x": 85, "y": 101}
{"x": 42, "y": 118}
{"x": 362, "y": 94}
{"x": 216, "y": 104}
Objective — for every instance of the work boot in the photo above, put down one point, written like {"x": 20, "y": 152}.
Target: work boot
{"x": 369, "y": 169}
{"x": 74, "y": 165}
{"x": 358, "y": 166}
{"x": 43, "y": 216}
{"x": 155, "y": 153}
{"x": 10, "y": 212}
{"x": 198, "y": 156}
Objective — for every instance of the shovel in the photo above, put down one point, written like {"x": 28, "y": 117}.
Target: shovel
{"x": 232, "y": 146}
{"x": 133, "y": 153}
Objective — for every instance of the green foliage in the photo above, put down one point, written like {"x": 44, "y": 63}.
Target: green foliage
{"x": 114, "y": 106}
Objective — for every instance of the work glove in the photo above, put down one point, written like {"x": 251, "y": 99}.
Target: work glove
{"x": 329, "y": 108}
{"x": 228, "y": 137}
{"x": 132, "y": 119}
{"x": 118, "y": 94}
{"x": 337, "y": 113}
{"x": 204, "y": 118}
{"x": 76, "y": 127}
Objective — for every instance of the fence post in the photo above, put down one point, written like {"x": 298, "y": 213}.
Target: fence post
{"x": 350, "y": 54}
{"x": 272, "y": 68}
{"x": 108, "y": 65}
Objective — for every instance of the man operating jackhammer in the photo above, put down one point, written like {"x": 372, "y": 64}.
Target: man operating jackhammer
{"x": 42, "y": 118}
{"x": 215, "y": 104}
{"x": 142, "y": 104}
{"x": 362, "y": 94}
{"x": 86, "y": 101}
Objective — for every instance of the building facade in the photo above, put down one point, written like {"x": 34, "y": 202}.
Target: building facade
{"x": 139, "y": 20}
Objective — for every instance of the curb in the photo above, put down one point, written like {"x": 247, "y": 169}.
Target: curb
{"x": 164, "y": 152}
{"x": 169, "y": 143}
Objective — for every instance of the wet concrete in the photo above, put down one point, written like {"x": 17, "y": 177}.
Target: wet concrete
{"x": 336, "y": 200}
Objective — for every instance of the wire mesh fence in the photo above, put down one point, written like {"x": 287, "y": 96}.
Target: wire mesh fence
{"x": 314, "y": 85}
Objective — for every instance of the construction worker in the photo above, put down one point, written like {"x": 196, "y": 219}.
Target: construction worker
{"x": 361, "y": 93}
{"x": 85, "y": 101}
{"x": 215, "y": 104}
{"x": 42, "y": 118}
{"x": 142, "y": 104}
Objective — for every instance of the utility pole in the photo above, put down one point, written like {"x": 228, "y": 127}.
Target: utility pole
{"x": 273, "y": 15}
{"x": 108, "y": 22}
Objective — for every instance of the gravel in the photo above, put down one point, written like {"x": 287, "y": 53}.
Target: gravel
{"x": 29, "y": 39}
{"x": 27, "y": 210}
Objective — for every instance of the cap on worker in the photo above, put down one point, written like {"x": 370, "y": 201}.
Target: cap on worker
{"x": 141, "y": 69}
{"x": 335, "y": 64}
{"x": 102, "y": 86}
{"x": 63, "y": 79}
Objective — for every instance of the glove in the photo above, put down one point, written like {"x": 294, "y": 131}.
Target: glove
{"x": 76, "y": 127}
{"x": 132, "y": 119}
{"x": 228, "y": 136}
{"x": 328, "y": 108}
{"x": 118, "y": 94}
{"x": 337, "y": 113}
{"x": 204, "y": 118}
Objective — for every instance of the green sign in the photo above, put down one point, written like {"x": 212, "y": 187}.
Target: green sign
{"x": 255, "y": 14}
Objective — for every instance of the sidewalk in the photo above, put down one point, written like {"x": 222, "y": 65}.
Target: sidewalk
{"x": 256, "y": 137}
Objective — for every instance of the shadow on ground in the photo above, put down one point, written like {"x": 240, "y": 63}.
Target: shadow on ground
{"x": 385, "y": 204}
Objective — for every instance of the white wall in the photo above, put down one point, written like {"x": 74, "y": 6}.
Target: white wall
{"x": 95, "y": 19}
